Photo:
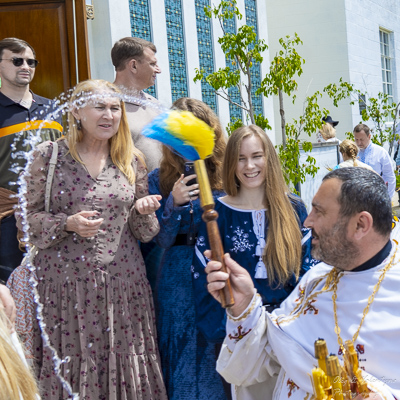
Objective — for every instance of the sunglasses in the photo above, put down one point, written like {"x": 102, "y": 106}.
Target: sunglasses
{"x": 18, "y": 61}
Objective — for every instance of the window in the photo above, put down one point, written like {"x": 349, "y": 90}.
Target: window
{"x": 362, "y": 103}
{"x": 386, "y": 63}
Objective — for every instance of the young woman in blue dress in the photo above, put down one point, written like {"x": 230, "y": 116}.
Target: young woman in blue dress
{"x": 187, "y": 359}
{"x": 261, "y": 226}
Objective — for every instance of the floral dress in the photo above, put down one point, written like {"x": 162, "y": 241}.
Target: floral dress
{"x": 97, "y": 302}
{"x": 188, "y": 361}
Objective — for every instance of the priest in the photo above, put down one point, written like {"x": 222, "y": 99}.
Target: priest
{"x": 353, "y": 294}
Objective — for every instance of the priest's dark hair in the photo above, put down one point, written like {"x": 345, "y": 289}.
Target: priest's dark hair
{"x": 364, "y": 190}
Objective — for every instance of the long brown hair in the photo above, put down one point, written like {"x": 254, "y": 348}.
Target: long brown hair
{"x": 282, "y": 253}
{"x": 172, "y": 165}
{"x": 122, "y": 149}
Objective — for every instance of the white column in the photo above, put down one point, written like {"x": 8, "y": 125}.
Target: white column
{"x": 111, "y": 23}
{"x": 191, "y": 48}
{"x": 268, "y": 102}
{"x": 159, "y": 34}
{"x": 243, "y": 78}
{"x": 219, "y": 62}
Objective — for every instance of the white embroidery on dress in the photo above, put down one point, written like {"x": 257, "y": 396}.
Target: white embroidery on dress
{"x": 201, "y": 241}
{"x": 240, "y": 241}
{"x": 259, "y": 230}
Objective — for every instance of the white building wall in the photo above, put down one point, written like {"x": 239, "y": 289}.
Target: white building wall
{"x": 159, "y": 34}
{"x": 341, "y": 39}
{"x": 268, "y": 103}
{"x": 219, "y": 62}
{"x": 364, "y": 18}
{"x": 112, "y": 22}
{"x": 192, "y": 51}
{"x": 321, "y": 26}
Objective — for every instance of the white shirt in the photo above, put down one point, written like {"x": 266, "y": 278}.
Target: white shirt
{"x": 378, "y": 158}
{"x": 270, "y": 356}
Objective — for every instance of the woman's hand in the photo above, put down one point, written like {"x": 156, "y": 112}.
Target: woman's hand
{"x": 148, "y": 204}
{"x": 182, "y": 193}
{"x": 82, "y": 225}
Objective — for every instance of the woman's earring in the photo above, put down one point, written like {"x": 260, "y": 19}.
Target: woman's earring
{"x": 78, "y": 124}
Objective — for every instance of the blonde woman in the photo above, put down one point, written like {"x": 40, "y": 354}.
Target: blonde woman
{"x": 349, "y": 152}
{"x": 97, "y": 302}
{"x": 260, "y": 225}
{"x": 327, "y": 133}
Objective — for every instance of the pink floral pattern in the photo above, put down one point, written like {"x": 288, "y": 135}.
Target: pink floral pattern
{"x": 98, "y": 306}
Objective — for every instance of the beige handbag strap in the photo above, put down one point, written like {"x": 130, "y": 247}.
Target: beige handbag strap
{"x": 50, "y": 176}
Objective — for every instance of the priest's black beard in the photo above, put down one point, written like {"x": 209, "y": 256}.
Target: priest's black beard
{"x": 333, "y": 247}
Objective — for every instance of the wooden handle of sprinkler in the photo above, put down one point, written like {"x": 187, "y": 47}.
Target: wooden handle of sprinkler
{"x": 217, "y": 254}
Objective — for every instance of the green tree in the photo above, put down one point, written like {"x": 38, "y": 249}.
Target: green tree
{"x": 243, "y": 49}
{"x": 281, "y": 82}
{"x": 379, "y": 110}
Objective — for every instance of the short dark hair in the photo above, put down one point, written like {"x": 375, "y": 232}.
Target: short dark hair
{"x": 364, "y": 190}
{"x": 362, "y": 127}
{"x": 128, "y": 48}
{"x": 15, "y": 45}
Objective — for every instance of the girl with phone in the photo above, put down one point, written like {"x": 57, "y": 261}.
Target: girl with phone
{"x": 188, "y": 361}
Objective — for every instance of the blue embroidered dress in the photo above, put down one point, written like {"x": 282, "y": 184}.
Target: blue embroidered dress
{"x": 187, "y": 359}
{"x": 243, "y": 234}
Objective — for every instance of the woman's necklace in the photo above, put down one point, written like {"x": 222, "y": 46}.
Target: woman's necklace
{"x": 336, "y": 276}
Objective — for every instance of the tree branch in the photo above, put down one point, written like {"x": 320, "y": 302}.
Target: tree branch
{"x": 248, "y": 88}
{"x": 228, "y": 98}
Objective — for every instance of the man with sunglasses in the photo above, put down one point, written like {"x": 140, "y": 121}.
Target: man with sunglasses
{"x": 21, "y": 114}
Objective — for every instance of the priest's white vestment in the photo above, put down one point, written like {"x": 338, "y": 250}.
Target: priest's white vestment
{"x": 270, "y": 356}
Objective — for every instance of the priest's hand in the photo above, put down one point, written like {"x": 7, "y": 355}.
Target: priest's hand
{"x": 241, "y": 282}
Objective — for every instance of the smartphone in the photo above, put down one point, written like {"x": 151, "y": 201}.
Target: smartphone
{"x": 189, "y": 170}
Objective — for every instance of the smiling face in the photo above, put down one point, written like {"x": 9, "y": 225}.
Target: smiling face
{"x": 100, "y": 118}
{"x": 16, "y": 76}
{"x": 250, "y": 169}
{"x": 330, "y": 242}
